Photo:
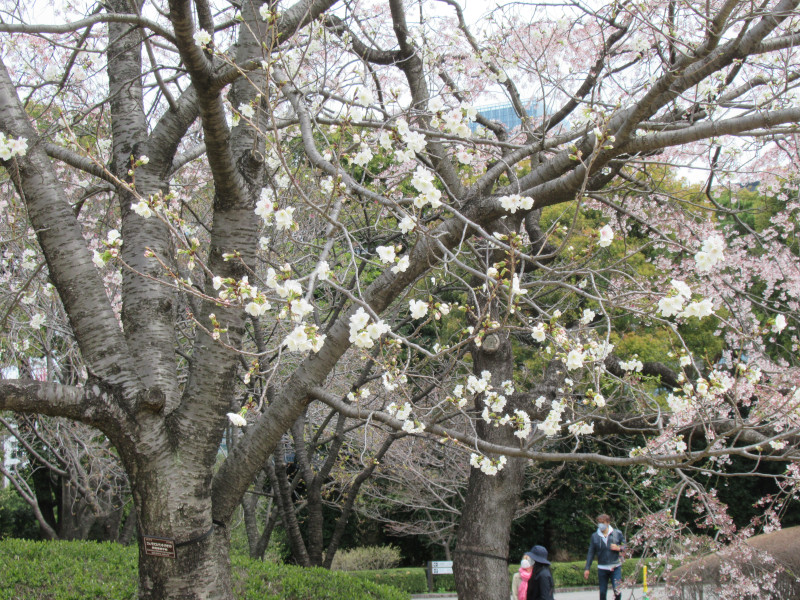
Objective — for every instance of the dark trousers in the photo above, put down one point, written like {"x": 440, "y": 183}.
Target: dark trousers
{"x": 616, "y": 582}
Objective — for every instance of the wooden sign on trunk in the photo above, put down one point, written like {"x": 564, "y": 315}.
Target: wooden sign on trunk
{"x": 163, "y": 547}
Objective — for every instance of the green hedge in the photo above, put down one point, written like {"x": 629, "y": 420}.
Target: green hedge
{"x": 256, "y": 580}
{"x": 570, "y": 574}
{"x": 82, "y": 570}
{"x": 567, "y": 575}
{"x": 411, "y": 580}
{"x": 89, "y": 570}
{"x": 66, "y": 570}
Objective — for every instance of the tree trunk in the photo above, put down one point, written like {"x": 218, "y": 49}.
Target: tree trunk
{"x": 283, "y": 497}
{"x": 200, "y": 570}
{"x": 174, "y": 502}
{"x": 257, "y": 542}
{"x": 44, "y": 487}
{"x": 481, "y": 555}
{"x": 129, "y": 529}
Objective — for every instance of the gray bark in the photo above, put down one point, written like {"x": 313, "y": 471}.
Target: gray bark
{"x": 480, "y": 561}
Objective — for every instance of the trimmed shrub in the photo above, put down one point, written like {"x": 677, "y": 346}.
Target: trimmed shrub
{"x": 366, "y": 558}
{"x": 254, "y": 580}
{"x": 413, "y": 580}
{"x": 78, "y": 570}
{"x": 66, "y": 570}
{"x": 570, "y": 574}
{"x": 567, "y": 575}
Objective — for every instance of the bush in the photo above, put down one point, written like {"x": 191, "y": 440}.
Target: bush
{"x": 566, "y": 575}
{"x": 413, "y": 580}
{"x": 254, "y": 580}
{"x": 16, "y": 516}
{"x": 366, "y": 558}
{"x": 66, "y": 570}
{"x": 570, "y": 574}
{"x": 77, "y": 570}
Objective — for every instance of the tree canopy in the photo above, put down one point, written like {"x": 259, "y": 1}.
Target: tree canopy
{"x": 223, "y": 217}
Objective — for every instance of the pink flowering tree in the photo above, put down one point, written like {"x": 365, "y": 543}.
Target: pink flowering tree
{"x": 241, "y": 210}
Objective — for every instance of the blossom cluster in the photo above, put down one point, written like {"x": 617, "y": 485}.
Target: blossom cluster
{"x": 388, "y": 255}
{"x": 403, "y": 413}
{"x": 415, "y": 142}
{"x": 418, "y": 308}
{"x": 494, "y": 402}
{"x": 633, "y": 364}
{"x": 391, "y": 380}
{"x": 489, "y": 466}
{"x": 711, "y": 253}
{"x": 241, "y": 290}
{"x": 11, "y": 147}
{"x": 515, "y": 202}
{"x": 265, "y": 208}
{"x": 363, "y": 334}
{"x": 237, "y": 419}
{"x": 113, "y": 243}
{"x": 304, "y": 337}
{"x": 606, "y": 236}
{"x": 456, "y": 121}
{"x": 673, "y": 303}
{"x": 551, "y": 426}
{"x": 422, "y": 181}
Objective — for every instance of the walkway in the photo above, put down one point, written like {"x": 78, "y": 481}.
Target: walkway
{"x": 569, "y": 594}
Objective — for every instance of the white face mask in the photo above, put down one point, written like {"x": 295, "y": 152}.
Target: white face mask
{"x": 526, "y": 563}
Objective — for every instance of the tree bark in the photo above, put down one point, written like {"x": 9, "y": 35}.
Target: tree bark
{"x": 480, "y": 565}
{"x": 173, "y": 501}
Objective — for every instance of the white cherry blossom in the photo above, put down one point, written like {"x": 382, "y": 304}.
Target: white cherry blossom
{"x": 386, "y": 254}
{"x": 236, "y": 419}
{"x": 574, "y": 359}
{"x": 418, "y": 308}
{"x": 283, "y": 218}
{"x": 606, "y": 236}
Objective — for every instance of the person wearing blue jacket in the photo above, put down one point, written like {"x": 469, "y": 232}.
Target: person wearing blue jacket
{"x": 606, "y": 544}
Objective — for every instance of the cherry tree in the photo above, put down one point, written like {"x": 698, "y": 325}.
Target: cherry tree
{"x": 419, "y": 491}
{"x": 239, "y": 206}
{"x": 71, "y": 478}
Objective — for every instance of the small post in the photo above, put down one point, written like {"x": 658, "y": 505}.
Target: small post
{"x": 430, "y": 576}
{"x": 644, "y": 571}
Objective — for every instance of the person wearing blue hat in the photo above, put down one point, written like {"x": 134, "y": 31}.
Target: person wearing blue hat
{"x": 540, "y": 585}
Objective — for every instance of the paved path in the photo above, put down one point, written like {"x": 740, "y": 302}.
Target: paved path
{"x": 572, "y": 594}
{"x": 593, "y": 594}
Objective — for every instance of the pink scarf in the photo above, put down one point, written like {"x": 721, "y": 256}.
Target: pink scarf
{"x": 524, "y": 576}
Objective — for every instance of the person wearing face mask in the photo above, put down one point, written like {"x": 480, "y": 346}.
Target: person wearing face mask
{"x": 606, "y": 544}
{"x": 541, "y": 585}
{"x": 519, "y": 583}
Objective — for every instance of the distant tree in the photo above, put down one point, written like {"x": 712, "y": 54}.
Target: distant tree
{"x": 71, "y": 478}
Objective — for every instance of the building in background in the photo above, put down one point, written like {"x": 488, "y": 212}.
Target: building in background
{"x": 10, "y": 452}
{"x": 506, "y": 114}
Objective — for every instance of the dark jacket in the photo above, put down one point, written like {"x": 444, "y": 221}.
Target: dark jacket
{"x": 605, "y": 556}
{"x": 541, "y": 585}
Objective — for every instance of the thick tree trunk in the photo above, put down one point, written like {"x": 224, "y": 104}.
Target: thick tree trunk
{"x": 174, "y": 502}
{"x": 200, "y": 570}
{"x": 481, "y": 556}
